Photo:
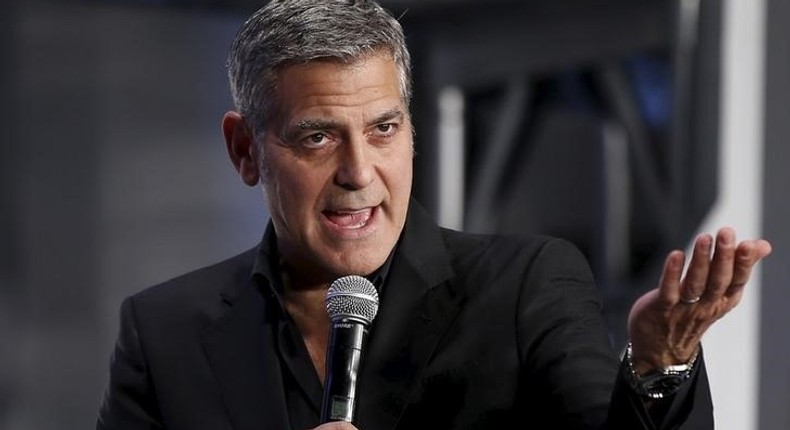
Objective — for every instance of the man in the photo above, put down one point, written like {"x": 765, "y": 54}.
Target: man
{"x": 473, "y": 331}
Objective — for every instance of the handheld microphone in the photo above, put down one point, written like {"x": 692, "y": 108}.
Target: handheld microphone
{"x": 352, "y": 302}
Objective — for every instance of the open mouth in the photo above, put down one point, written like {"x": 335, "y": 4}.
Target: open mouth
{"x": 349, "y": 219}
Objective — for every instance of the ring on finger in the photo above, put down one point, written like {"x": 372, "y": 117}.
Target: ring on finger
{"x": 690, "y": 301}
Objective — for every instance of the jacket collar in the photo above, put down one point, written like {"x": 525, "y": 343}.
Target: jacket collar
{"x": 247, "y": 372}
{"x": 417, "y": 306}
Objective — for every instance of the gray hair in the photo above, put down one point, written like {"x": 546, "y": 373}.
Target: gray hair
{"x": 288, "y": 32}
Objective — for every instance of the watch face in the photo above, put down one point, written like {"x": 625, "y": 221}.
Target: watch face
{"x": 660, "y": 383}
{"x": 664, "y": 384}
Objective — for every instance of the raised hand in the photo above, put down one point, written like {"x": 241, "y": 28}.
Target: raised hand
{"x": 666, "y": 324}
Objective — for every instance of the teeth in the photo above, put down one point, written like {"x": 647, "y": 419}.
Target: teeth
{"x": 350, "y": 219}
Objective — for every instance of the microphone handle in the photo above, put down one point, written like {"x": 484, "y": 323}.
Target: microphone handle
{"x": 342, "y": 366}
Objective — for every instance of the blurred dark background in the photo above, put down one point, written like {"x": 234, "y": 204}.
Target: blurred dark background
{"x": 597, "y": 121}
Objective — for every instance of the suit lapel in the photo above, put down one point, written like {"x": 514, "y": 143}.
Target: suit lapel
{"x": 418, "y": 304}
{"x": 248, "y": 373}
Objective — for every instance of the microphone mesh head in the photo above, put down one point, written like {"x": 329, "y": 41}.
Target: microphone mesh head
{"x": 352, "y": 297}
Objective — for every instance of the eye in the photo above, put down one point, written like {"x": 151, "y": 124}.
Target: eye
{"x": 316, "y": 140}
{"x": 386, "y": 129}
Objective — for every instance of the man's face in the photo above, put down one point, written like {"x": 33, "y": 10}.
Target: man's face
{"x": 337, "y": 166}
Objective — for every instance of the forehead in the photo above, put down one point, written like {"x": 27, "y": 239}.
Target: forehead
{"x": 336, "y": 83}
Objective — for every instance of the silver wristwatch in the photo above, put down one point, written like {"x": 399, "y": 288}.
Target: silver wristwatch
{"x": 659, "y": 383}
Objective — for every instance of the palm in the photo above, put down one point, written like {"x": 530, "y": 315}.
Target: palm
{"x": 667, "y": 323}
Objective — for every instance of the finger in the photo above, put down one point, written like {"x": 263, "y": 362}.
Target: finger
{"x": 669, "y": 285}
{"x": 693, "y": 285}
{"x": 747, "y": 255}
{"x": 721, "y": 267}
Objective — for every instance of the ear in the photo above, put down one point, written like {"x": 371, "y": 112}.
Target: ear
{"x": 241, "y": 146}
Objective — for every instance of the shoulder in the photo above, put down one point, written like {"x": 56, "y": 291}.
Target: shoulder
{"x": 509, "y": 248}
{"x": 201, "y": 285}
{"x": 531, "y": 261}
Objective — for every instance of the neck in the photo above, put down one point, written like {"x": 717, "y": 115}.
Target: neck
{"x": 305, "y": 304}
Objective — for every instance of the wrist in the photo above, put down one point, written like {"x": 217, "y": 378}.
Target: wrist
{"x": 658, "y": 383}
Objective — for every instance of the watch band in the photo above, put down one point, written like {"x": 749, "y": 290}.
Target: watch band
{"x": 659, "y": 383}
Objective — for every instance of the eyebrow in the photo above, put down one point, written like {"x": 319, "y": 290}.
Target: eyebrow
{"x": 388, "y": 115}
{"x": 315, "y": 124}
{"x": 306, "y": 124}
{"x": 324, "y": 124}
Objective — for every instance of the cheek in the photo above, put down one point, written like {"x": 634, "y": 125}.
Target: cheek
{"x": 296, "y": 186}
{"x": 399, "y": 172}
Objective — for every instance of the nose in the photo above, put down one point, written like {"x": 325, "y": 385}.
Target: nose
{"x": 356, "y": 164}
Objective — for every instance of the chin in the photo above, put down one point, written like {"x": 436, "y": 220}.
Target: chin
{"x": 359, "y": 265}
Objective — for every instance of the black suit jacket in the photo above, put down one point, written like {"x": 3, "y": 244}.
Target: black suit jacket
{"x": 473, "y": 332}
